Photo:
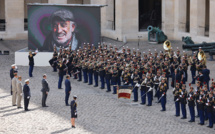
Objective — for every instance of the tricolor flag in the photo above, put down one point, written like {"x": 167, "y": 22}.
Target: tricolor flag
{"x": 124, "y": 92}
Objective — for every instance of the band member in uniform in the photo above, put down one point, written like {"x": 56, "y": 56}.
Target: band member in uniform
{"x": 193, "y": 63}
{"x": 102, "y": 76}
{"x": 201, "y": 105}
{"x": 209, "y": 104}
{"x": 114, "y": 79}
{"x": 61, "y": 73}
{"x": 45, "y": 89}
{"x": 108, "y": 78}
{"x": 176, "y": 92}
{"x": 68, "y": 89}
{"x": 27, "y": 94}
{"x": 136, "y": 81}
{"x": 163, "y": 90}
{"x": 73, "y": 105}
{"x": 191, "y": 104}
{"x": 206, "y": 75}
{"x": 96, "y": 75}
{"x": 149, "y": 88}
{"x": 143, "y": 89}
{"x": 183, "y": 100}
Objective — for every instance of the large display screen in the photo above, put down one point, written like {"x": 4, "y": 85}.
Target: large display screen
{"x": 62, "y": 26}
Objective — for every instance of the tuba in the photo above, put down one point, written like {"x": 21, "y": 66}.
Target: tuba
{"x": 202, "y": 57}
{"x": 167, "y": 47}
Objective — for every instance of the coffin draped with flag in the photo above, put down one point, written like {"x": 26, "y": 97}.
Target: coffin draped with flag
{"x": 124, "y": 92}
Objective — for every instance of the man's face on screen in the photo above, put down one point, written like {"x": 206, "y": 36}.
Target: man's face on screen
{"x": 62, "y": 31}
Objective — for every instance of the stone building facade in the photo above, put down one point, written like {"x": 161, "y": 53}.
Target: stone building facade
{"x": 126, "y": 19}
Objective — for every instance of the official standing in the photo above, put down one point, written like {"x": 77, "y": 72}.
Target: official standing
{"x": 31, "y": 63}
{"x": 45, "y": 89}
{"x": 67, "y": 89}
{"x": 14, "y": 89}
{"x": 19, "y": 92}
{"x": 12, "y": 72}
{"x": 73, "y": 110}
{"x": 163, "y": 90}
{"x": 27, "y": 94}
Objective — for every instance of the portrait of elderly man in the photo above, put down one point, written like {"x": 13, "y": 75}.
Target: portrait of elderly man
{"x": 63, "y": 33}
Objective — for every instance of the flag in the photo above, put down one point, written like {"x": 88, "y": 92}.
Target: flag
{"x": 125, "y": 92}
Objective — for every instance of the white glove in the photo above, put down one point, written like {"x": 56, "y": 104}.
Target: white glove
{"x": 150, "y": 89}
{"x": 177, "y": 99}
{"x": 132, "y": 76}
{"x": 173, "y": 89}
{"x": 180, "y": 95}
{"x": 138, "y": 85}
{"x": 21, "y": 94}
{"x": 28, "y": 97}
{"x": 125, "y": 83}
{"x": 162, "y": 94}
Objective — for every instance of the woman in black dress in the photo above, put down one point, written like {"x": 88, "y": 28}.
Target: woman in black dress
{"x": 73, "y": 110}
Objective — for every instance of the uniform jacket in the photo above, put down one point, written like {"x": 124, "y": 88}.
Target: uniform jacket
{"x": 206, "y": 74}
{"x": 26, "y": 91}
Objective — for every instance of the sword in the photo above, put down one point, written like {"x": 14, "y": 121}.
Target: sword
{"x": 160, "y": 97}
{"x": 150, "y": 89}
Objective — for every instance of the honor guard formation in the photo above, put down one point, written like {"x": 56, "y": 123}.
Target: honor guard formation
{"x": 150, "y": 72}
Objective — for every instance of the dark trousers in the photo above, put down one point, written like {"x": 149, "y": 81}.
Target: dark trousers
{"x": 108, "y": 84}
{"x": 44, "y": 99}
{"x": 26, "y": 102}
{"x": 67, "y": 97}
{"x": 210, "y": 117}
{"x": 193, "y": 73}
{"x": 192, "y": 113}
{"x": 80, "y": 76}
{"x": 96, "y": 79}
{"x": 60, "y": 81}
{"x": 183, "y": 110}
{"x": 206, "y": 114}
{"x": 102, "y": 81}
{"x": 119, "y": 81}
{"x": 177, "y": 108}
{"x": 214, "y": 116}
{"x": 207, "y": 82}
{"x": 85, "y": 76}
{"x": 31, "y": 68}
{"x": 54, "y": 68}
{"x": 143, "y": 97}
{"x": 197, "y": 107}
{"x": 186, "y": 75}
{"x": 163, "y": 103}
{"x": 149, "y": 96}
{"x": 135, "y": 93}
{"x": 202, "y": 116}
{"x": 90, "y": 78}
{"x": 114, "y": 87}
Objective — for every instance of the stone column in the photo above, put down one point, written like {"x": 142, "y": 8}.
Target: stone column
{"x": 212, "y": 21}
{"x": 168, "y": 15}
{"x": 182, "y": 10}
{"x": 197, "y": 17}
{"x": 57, "y": 1}
{"x": 14, "y": 14}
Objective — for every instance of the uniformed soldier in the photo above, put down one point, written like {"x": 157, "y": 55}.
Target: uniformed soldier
{"x": 177, "y": 92}
{"x": 114, "y": 79}
{"x": 149, "y": 88}
{"x": 85, "y": 69}
{"x": 163, "y": 90}
{"x": 102, "y": 76}
{"x": 108, "y": 78}
{"x": 14, "y": 89}
{"x": 19, "y": 92}
{"x": 209, "y": 104}
{"x": 74, "y": 115}
{"x": 90, "y": 73}
{"x": 143, "y": 89}
{"x": 136, "y": 82}
{"x": 193, "y": 63}
{"x": 96, "y": 74}
{"x": 27, "y": 94}
{"x": 191, "y": 104}
{"x": 61, "y": 73}
{"x": 201, "y": 105}
{"x": 13, "y": 71}
{"x": 183, "y": 100}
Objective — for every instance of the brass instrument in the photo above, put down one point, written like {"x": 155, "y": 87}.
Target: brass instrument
{"x": 167, "y": 47}
{"x": 202, "y": 57}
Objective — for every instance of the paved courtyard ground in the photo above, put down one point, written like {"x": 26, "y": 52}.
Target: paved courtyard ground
{"x": 98, "y": 112}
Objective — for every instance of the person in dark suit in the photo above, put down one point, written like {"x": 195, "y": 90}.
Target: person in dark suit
{"x": 73, "y": 105}
{"x": 206, "y": 77}
{"x": 45, "y": 89}
{"x": 67, "y": 89}
{"x": 31, "y": 62}
{"x": 27, "y": 94}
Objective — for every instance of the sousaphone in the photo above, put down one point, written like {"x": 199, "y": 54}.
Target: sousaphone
{"x": 167, "y": 47}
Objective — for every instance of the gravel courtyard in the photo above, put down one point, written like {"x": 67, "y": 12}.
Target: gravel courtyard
{"x": 99, "y": 112}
